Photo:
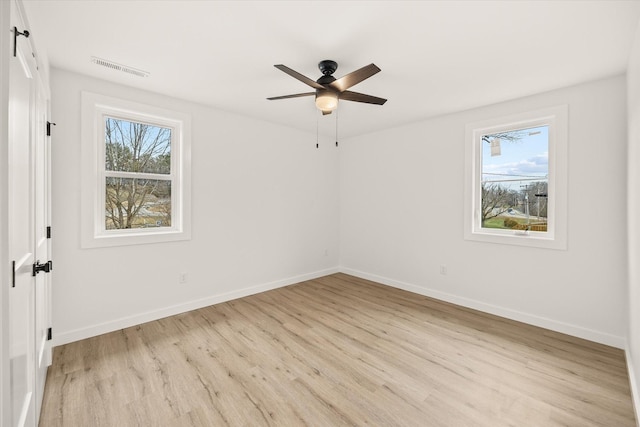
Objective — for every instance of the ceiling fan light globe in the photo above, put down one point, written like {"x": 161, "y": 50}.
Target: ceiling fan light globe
{"x": 327, "y": 101}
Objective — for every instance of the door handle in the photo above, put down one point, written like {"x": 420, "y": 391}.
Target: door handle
{"x": 46, "y": 267}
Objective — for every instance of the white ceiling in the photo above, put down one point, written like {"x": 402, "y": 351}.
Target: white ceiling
{"x": 436, "y": 56}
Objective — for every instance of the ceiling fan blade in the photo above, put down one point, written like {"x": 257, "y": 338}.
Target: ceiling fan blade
{"x": 361, "y": 97}
{"x": 351, "y": 79}
{"x": 297, "y": 95}
{"x": 296, "y": 75}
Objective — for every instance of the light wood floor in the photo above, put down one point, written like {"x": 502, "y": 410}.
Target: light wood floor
{"x": 336, "y": 351}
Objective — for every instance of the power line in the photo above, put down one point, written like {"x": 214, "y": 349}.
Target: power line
{"x": 511, "y": 174}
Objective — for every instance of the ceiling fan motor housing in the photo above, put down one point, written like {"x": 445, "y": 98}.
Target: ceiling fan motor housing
{"x": 328, "y": 67}
{"x": 325, "y": 80}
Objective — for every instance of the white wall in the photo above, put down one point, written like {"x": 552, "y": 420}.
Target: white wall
{"x": 266, "y": 204}
{"x": 401, "y": 201}
{"x": 633, "y": 114}
{"x": 265, "y": 210}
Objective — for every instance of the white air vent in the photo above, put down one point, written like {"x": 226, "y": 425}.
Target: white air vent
{"x": 119, "y": 67}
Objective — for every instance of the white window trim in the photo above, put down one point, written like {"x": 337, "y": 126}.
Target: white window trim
{"x": 556, "y": 236}
{"x": 93, "y": 234}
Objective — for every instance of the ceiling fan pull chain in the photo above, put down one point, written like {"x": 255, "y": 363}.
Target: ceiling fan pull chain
{"x": 336, "y": 128}
{"x": 317, "y": 131}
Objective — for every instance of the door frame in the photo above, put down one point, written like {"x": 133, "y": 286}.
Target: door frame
{"x": 5, "y": 53}
{"x": 41, "y": 176}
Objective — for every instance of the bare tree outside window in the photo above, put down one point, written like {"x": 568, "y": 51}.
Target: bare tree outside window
{"x": 137, "y": 174}
{"x": 496, "y": 200}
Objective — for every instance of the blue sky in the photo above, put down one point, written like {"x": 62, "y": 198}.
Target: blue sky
{"x": 525, "y": 158}
{"x": 157, "y": 139}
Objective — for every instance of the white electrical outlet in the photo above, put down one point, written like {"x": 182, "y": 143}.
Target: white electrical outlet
{"x": 443, "y": 270}
{"x": 182, "y": 277}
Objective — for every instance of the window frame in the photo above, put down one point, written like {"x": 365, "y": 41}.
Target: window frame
{"x": 556, "y": 118}
{"x": 95, "y": 109}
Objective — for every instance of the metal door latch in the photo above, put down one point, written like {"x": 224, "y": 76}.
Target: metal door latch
{"x": 46, "y": 267}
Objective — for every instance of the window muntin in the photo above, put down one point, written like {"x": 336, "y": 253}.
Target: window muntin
{"x": 538, "y": 172}
{"x": 136, "y": 184}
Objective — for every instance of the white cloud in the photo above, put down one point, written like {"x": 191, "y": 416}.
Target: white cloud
{"x": 536, "y": 165}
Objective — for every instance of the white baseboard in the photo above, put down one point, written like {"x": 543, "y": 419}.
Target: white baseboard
{"x": 633, "y": 381}
{"x": 125, "y": 322}
{"x": 565, "y": 328}
{"x": 61, "y": 338}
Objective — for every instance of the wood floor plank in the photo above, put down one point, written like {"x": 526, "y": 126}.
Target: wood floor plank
{"x": 337, "y": 350}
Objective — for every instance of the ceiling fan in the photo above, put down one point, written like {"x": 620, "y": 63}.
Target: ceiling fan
{"x": 328, "y": 89}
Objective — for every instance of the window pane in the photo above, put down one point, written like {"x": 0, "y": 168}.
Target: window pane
{"x": 515, "y": 173}
{"x": 137, "y": 203}
{"x": 137, "y": 147}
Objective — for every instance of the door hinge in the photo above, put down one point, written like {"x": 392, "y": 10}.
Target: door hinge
{"x": 46, "y": 267}
{"x": 49, "y": 334}
{"x": 13, "y": 274}
{"x": 48, "y": 232}
{"x": 49, "y": 124}
{"x": 17, "y": 33}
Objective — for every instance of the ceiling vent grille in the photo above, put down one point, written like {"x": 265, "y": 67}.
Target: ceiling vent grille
{"x": 119, "y": 67}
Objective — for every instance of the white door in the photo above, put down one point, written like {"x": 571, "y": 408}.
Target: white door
{"x": 21, "y": 238}
{"x": 27, "y": 212}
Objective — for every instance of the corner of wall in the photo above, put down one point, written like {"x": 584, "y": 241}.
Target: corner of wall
{"x": 632, "y": 348}
{"x": 633, "y": 383}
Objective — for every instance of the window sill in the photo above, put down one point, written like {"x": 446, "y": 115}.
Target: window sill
{"x": 518, "y": 238}
{"x": 135, "y": 238}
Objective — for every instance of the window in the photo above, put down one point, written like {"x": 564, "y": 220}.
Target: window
{"x": 515, "y": 188}
{"x": 135, "y": 186}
